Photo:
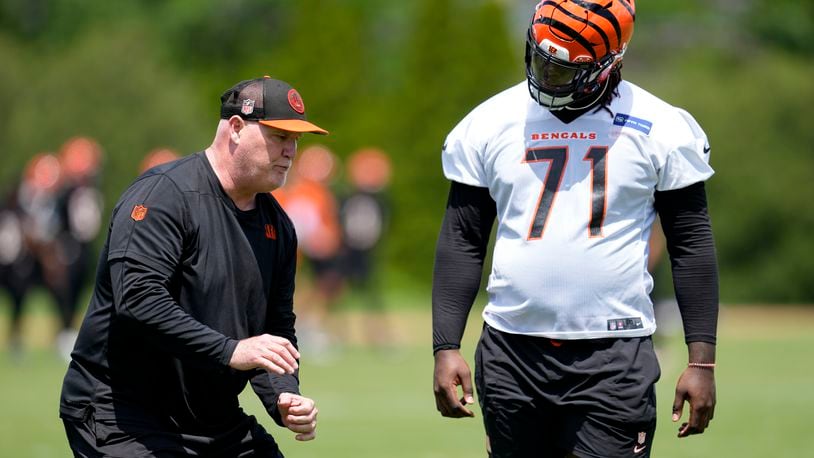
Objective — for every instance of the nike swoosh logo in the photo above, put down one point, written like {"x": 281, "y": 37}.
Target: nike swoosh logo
{"x": 639, "y": 448}
{"x": 706, "y": 149}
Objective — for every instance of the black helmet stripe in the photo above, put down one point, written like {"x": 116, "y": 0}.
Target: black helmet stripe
{"x": 614, "y": 22}
{"x": 601, "y": 11}
{"x": 629, "y": 9}
{"x": 573, "y": 34}
{"x": 589, "y": 23}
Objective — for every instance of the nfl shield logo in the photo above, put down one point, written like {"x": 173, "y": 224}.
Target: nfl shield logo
{"x": 138, "y": 213}
{"x": 248, "y": 107}
{"x": 642, "y": 437}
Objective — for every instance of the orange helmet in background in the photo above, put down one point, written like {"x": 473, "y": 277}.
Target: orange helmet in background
{"x": 309, "y": 202}
{"x": 316, "y": 163}
{"x": 573, "y": 45}
{"x": 369, "y": 169}
{"x": 43, "y": 172}
{"x": 80, "y": 158}
{"x": 157, "y": 157}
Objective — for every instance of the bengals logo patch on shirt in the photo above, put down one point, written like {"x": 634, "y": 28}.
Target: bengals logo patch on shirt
{"x": 139, "y": 212}
{"x": 271, "y": 232}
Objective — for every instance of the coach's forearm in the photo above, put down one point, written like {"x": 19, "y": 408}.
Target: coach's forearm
{"x": 141, "y": 295}
{"x": 268, "y": 388}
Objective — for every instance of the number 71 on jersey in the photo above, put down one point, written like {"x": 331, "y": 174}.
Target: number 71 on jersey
{"x": 557, "y": 158}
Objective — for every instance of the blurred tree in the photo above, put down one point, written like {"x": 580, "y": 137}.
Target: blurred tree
{"x": 129, "y": 105}
{"x": 784, "y": 24}
{"x": 10, "y": 83}
{"x": 23, "y": 19}
{"x": 55, "y": 24}
{"x": 456, "y": 56}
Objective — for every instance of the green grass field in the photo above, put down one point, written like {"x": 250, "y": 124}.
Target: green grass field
{"x": 379, "y": 403}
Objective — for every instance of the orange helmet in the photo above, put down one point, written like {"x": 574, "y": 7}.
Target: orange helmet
{"x": 80, "y": 157}
{"x": 43, "y": 172}
{"x": 157, "y": 157}
{"x": 316, "y": 163}
{"x": 572, "y": 47}
{"x": 369, "y": 169}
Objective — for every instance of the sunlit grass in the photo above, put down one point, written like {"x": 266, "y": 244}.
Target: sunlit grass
{"x": 377, "y": 402}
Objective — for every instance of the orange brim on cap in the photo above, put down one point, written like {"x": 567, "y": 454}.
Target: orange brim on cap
{"x": 294, "y": 125}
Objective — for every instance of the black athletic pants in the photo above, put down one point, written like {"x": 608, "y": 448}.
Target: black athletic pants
{"x": 545, "y": 398}
{"x": 102, "y": 438}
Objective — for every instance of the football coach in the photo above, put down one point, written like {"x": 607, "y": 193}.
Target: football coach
{"x": 194, "y": 297}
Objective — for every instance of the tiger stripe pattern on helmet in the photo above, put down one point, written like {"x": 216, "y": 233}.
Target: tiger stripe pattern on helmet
{"x": 589, "y": 30}
{"x": 573, "y": 47}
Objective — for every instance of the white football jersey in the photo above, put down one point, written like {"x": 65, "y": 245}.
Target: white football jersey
{"x": 574, "y": 207}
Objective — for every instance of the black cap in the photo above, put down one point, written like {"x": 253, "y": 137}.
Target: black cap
{"x": 270, "y": 102}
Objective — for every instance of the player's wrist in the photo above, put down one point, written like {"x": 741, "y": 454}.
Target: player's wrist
{"x": 445, "y": 346}
{"x": 701, "y": 353}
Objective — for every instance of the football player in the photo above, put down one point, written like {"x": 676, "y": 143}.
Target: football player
{"x": 574, "y": 163}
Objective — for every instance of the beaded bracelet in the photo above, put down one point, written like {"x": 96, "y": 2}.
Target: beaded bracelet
{"x": 702, "y": 365}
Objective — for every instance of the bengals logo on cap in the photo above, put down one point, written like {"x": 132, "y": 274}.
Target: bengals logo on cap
{"x": 295, "y": 101}
{"x": 138, "y": 213}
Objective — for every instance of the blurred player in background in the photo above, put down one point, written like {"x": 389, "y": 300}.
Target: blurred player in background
{"x": 19, "y": 270}
{"x": 79, "y": 211}
{"x": 574, "y": 163}
{"x": 312, "y": 205}
{"x": 194, "y": 298}
{"x": 157, "y": 157}
{"x": 364, "y": 215}
{"x": 39, "y": 205}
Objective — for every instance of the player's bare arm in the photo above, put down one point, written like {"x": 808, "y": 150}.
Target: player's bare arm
{"x": 696, "y": 385}
{"x": 299, "y": 414}
{"x": 451, "y": 371}
{"x": 272, "y": 353}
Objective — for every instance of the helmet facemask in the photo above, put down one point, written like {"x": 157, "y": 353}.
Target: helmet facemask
{"x": 556, "y": 83}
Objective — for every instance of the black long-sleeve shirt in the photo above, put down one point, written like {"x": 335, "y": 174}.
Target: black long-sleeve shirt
{"x": 464, "y": 236}
{"x": 182, "y": 277}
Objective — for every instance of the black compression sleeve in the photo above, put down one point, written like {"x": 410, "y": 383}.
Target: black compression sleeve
{"x": 685, "y": 221}
{"x": 459, "y": 257}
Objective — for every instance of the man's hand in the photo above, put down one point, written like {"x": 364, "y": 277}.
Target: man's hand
{"x": 299, "y": 414}
{"x": 697, "y": 386}
{"x": 451, "y": 371}
{"x": 272, "y": 353}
